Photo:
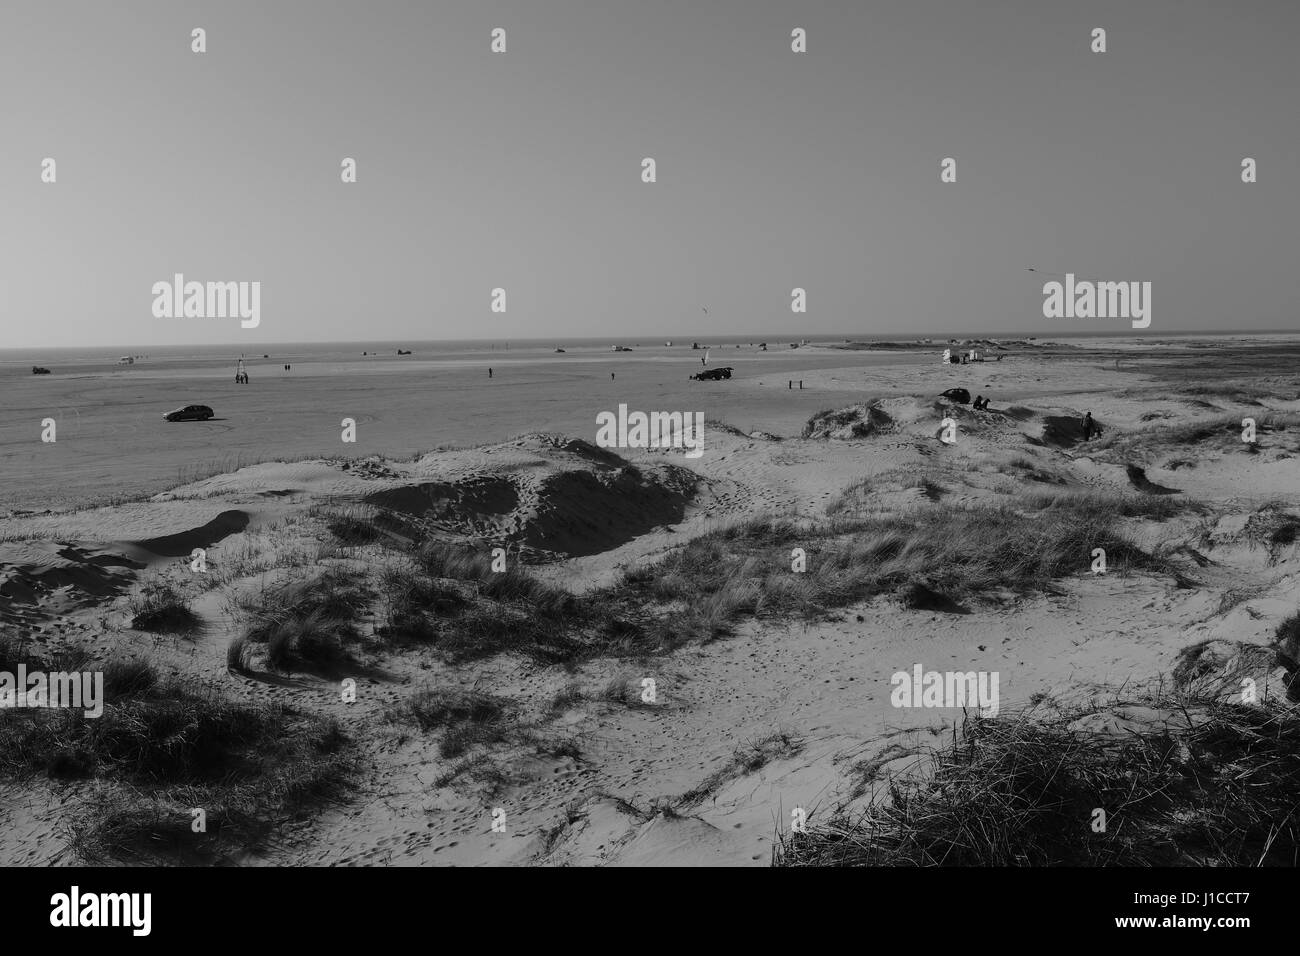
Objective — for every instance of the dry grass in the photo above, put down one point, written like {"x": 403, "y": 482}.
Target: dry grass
{"x": 746, "y": 569}
{"x": 1221, "y": 434}
{"x": 1015, "y": 791}
{"x": 748, "y": 758}
{"x": 304, "y": 625}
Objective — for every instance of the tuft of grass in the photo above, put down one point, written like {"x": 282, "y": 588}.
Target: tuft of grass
{"x": 303, "y": 625}
{"x": 160, "y": 608}
{"x": 566, "y": 698}
{"x": 480, "y": 769}
{"x": 353, "y": 528}
{"x": 465, "y": 718}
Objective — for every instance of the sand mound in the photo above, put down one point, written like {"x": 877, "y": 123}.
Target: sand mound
{"x": 582, "y": 513}
{"x": 584, "y": 501}
{"x": 856, "y": 421}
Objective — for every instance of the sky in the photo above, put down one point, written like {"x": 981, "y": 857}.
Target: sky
{"x": 523, "y": 170}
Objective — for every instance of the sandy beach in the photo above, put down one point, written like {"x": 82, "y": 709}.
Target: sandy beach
{"x": 112, "y": 441}
{"x": 665, "y": 717}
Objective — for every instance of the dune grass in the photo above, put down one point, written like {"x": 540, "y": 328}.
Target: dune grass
{"x": 449, "y": 599}
{"x": 303, "y": 625}
{"x": 746, "y": 569}
{"x": 161, "y": 609}
{"x": 163, "y": 749}
{"x": 1016, "y": 791}
{"x": 1220, "y": 433}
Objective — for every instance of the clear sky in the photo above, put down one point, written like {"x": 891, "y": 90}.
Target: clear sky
{"x": 523, "y": 170}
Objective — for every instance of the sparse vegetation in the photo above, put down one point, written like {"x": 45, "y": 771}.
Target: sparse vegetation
{"x": 747, "y": 758}
{"x": 465, "y": 718}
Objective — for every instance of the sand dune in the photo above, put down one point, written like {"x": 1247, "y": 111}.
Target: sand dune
{"x": 774, "y": 710}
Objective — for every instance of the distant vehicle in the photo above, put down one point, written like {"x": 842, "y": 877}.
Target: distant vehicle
{"x": 713, "y": 374}
{"x": 403, "y": 351}
{"x": 196, "y": 413}
{"x": 126, "y": 360}
{"x": 559, "y": 350}
{"x": 38, "y": 370}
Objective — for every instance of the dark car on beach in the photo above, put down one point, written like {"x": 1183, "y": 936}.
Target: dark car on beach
{"x": 713, "y": 374}
{"x": 196, "y": 413}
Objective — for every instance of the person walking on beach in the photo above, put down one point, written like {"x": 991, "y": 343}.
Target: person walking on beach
{"x": 1088, "y": 425}
{"x": 489, "y": 371}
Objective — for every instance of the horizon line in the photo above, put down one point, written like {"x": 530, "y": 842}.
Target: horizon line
{"x": 728, "y": 335}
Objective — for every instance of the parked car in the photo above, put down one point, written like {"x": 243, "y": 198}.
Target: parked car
{"x": 712, "y": 374}
{"x": 197, "y": 413}
{"x": 39, "y": 370}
